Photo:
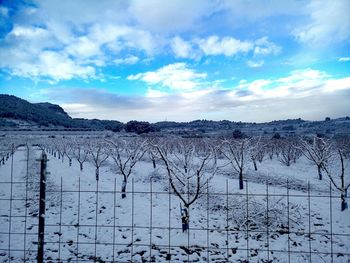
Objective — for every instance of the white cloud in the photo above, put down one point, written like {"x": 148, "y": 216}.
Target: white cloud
{"x": 30, "y": 39}
{"x": 175, "y": 76}
{"x": 329, "y": 23}
{"x": 49, "y": 64}
{"x": 117, "y": 38}
{"x": 299, "y": 83}
{"x": 58, "y": 66}
{"x": 304, "y": 75}
{"x": 182, "y": 48}
{"x": 27, "y": 32}
{"x": 25, "y": 47}
{"x": 227, "y": 46}
{"x": 91, "y": 35}
{"x": 255, "y": 64}
{"x": 242, "y": 11}
{"x": 170, "y": 16}
{"x": 153, "y": 93}
{"x": 265, "y": 47}
{"x": 80, "y": 12}
{"x": 315, "y": 97}
{"x": 90, "y": 39}
{"x": 83, "y": 47}
{"x": 129, "y": 60}
{"x": 344, "y": 59}
{"x": 33, "y": 52}
{"x": 333, "y": 85}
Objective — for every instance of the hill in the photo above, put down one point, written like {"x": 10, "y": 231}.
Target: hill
{"x": 16, "y": 112}
{"x": 19, "y": 114}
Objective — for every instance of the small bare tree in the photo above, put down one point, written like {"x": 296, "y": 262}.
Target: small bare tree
{"x": 257, "y": 151}
{"x": 80, "y": 153}
{"x": 61, "y": 148}
{"x": 289, "y": 151}
{"x": 126, "y": 153}
{"x": 99, "y": 153}
{"x": 188, "y": 176}
{"x": 69, "y": 151}
{"x": 152, "y": 152}
{"x": 237, "y": 153}
{"x": 318, "y": 151}
{"x": 342, "y": 186}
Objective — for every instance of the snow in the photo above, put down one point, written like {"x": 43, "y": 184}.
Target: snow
{"x": 88, "y": 220}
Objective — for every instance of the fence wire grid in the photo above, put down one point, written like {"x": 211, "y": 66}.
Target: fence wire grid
{"x": 96, "y": 227}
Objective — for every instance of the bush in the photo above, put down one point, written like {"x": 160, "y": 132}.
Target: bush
{"x": 140, "y": 127}
{"x": 276, "y": 136}
{"x": 238, "y": 134}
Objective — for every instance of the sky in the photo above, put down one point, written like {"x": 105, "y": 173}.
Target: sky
{"x": 179, "y": 60}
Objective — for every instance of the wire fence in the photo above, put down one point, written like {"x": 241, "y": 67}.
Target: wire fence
{"x": 96, "y": 225}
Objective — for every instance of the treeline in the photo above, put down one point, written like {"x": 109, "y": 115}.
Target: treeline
{"x": 50, "y": 117}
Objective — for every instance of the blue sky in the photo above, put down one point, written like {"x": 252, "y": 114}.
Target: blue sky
{"x": 178, "y": 60}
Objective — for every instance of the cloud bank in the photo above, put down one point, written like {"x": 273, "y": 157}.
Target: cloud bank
{"x": 308, "y": 93}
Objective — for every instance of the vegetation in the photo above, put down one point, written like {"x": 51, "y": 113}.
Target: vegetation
{"x": 47, "y": 115}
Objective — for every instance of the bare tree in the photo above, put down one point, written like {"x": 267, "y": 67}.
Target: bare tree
{"x": 342, "y": 186}
{"x": 60, "y": 147}
{"x": 80, "y": 153}
{"x": 126, "y": 153}
{"x": 152, "y": 152}
{"x": 69, "y": 151}
{"x": 271, "y": 148}
{"x": 237, "y": 153}
{"x": 289, "y": 151}
{"x": 7, "y": 149}
{"x": 188, "y": 176}
{"x": 318, "y": 151}
{"x": 99, "y": 153}
{"x": 343, "y": 143}
{"x": 257, "y": 151}
{"x": 185, "y": 154}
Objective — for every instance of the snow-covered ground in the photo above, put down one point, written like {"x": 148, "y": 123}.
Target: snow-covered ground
{"x": 88, "y": 221}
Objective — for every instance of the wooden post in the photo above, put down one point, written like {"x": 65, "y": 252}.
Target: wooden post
{"x": 41, "y": 230}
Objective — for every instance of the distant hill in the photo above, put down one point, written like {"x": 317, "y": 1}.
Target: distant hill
{"x": 15, "y": 111}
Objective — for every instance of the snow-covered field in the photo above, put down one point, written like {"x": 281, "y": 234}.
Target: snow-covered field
{"x": 88, "y": 221}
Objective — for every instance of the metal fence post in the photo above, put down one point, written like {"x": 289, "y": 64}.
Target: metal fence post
{"x": 41, "y": 230}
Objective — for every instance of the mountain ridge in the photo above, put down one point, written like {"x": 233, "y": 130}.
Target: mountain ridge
{"x": 46, "y": 115}
{"x": 16, "y": 113}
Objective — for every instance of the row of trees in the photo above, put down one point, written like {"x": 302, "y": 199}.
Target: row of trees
{"x": 7, "y": 148}
{"x": 191, "y": 163}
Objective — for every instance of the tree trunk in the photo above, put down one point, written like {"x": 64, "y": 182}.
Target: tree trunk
{"x": 81, "y": 166}
{"x": 240, "y": 180}
{"x": 319, "y": 172}
{"x": 97, "y": 172}
{"x": 154, "y": 164}
{"x": 70, "y": 162}
{"x": 124, "y": 188}
{"x": 344, "y": 204}
{"x": 185, "y": 219}
{"x": 255, "y": 166}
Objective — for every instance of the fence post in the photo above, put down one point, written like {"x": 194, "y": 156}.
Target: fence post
{"x": 41, "y": 230}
